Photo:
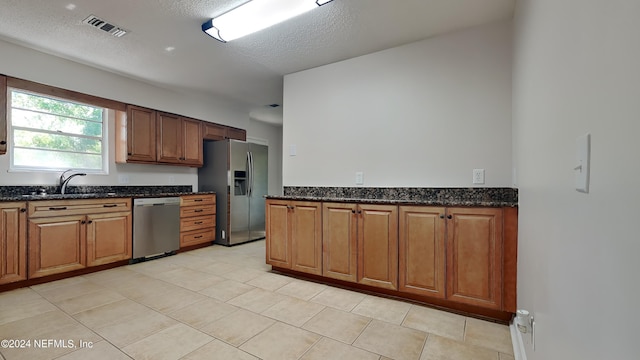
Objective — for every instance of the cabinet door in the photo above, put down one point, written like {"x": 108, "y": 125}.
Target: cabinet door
{"x": 339, "y": 241}
{"x": 169, "y": 138}
{"x": 474, "y": 256}
{"x": 278, "y": 243}
{"x": 13, "y": 242}
{"x": 141, "y": 134}
{"x": 237, "y": 134}
{"x": 3, "y": 114}
{"x": 378, "y": 245}
{"x": 56, "y": 245}
{"x": 306, "y": 237}
{"x": 108, "y": 238}
{"x": 214, "y": 131}
{"x": 191, "y": 142}
{"x": 421, "y": 250}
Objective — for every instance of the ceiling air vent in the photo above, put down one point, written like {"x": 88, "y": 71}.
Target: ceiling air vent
{"x": 104, "y": 26}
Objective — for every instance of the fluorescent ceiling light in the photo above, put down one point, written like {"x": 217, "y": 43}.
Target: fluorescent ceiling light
{"x": 256, "y": 15}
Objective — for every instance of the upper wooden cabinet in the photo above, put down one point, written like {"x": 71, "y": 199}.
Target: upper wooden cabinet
{"x": 140, "y": 134}
{"x": 421, "y": 250}
{"x": 213, "y": 131}
{"x": 474, "y": 256}
{"x": 216, "y": 132}
{"x": 237, "y": 134}
{"x": 169, "y": 138}
{"x": 179, "y": 140}
{"x": 13, "y": 242}
{"x": 3, "y": 114}
{"x": 153, "y": 137}
{"x": 192, "y": 142}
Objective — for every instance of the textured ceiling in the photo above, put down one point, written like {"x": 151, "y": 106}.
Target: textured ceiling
{"x": 248, "y": 70}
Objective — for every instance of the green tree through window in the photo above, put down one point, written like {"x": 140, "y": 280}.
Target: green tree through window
{"x": 55, "y": 134}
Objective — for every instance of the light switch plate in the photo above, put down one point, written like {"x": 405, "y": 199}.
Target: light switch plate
{"x": 293, "y": 150}
{"x": 123, "y": 179}
{"x": 583, "y": 158}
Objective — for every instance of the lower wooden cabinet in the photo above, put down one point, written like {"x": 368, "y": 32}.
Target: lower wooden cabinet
{"x": 471, "y": 272}
{"x": 422, "y": 250}
{"x": 378, "y": 245}
{"x": 306, "y": 237}
{"x": 108, "y": 238}
{"x": 453, "y": 254}
{"x": 56, "y": 245}
{"x": 13, "y": 242}
{"x": 83, "y": 233}
{"x": 360, "y": 243}
{"x": 340, "y": 241}
{"x": 294, "y": 235}
{"x": 197, "y": 219}
{"x": 475, "y": 256}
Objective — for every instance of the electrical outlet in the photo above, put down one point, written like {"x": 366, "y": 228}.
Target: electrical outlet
{"x": 359, "y": 178}
{"x": 123, "y": 179}
{"x": 172, "y": 179}
{"x": 478, "y": 176}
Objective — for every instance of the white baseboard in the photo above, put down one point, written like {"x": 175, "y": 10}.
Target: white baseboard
{"x": 518, "y": 345}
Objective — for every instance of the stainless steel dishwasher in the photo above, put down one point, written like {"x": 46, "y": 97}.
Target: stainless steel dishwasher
{"x": 156, "y": 227}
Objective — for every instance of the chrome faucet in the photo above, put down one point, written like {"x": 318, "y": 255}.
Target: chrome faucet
{"x": 64, "y": 182}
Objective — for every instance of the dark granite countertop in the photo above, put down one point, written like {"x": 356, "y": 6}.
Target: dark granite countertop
{"x": 30, "y": 193}
{"x": 484, "y": 197}
{"x": 449, "y": 202}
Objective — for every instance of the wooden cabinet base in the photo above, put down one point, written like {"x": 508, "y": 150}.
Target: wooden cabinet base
{"x": 463, "y": 309}
{"x": 54, "y": 277}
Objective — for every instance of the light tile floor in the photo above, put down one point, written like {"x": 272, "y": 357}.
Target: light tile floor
{"x": 223, "y": 303}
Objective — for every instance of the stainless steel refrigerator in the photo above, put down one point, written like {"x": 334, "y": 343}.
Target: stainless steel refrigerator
{"x": 237, "y": 172}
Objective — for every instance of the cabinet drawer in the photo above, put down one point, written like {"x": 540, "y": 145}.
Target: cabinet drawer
{"x": 197, "y": 237}
{"x": 191, "y": 200}
{"x": 188, "y": 211}
{"x": 196, "y": 223}
{"x": 77, "y": 207}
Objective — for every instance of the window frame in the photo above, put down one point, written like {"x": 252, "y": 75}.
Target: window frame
{"x": 104, "y": 170}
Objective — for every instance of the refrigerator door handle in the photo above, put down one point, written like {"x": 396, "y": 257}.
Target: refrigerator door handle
{"x": 248, "y": 175}
{"x": 251, "y": 173}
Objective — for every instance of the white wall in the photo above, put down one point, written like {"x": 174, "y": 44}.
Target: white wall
{"x": 576, "y": 71}
{"x": 32, "y": 65}
{"x": 423, "y": 114}
{"x": 270, "y": 135}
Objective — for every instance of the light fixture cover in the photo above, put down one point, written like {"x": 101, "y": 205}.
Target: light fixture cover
{"x": 256, "y": 15}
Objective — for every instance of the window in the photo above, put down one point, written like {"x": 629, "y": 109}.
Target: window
{"x": 54, "y": 134}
